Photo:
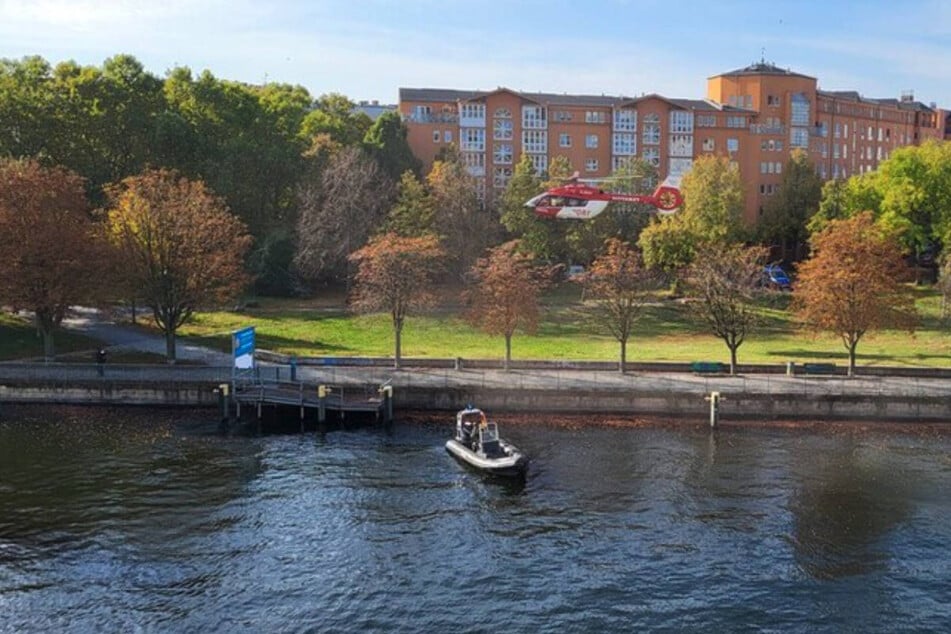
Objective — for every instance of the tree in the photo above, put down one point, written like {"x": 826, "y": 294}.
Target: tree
{"x": 541, "y": 236}
{"x": 395, "y": 273}
{"x": 852, "y": 284}
{"x": 414, "y": 214}
{"x": 503, "y": 295}
{"x": 619, "y": 286}
{"x": 179, "y": 246}
{"x": 386, "y": 142}
{"x": 462, "y": 223}
{"x": 724, "y": 280}
{"x": 339, "y": 213}
{"x": 713, "y": 200}
{"x": 788, "y": 211}
{"x": 53, "y": 254}
{"x": 833, "y": 204}
{"x": 711, "y": 216}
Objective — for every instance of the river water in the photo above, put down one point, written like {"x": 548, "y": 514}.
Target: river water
{"x": 126, "y": 521}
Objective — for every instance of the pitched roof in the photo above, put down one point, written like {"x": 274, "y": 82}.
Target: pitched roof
{"x": 852, "y": 95}
{"x": 762, "y": 68}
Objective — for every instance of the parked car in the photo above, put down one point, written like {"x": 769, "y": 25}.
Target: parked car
{"x": 775, "y": 277}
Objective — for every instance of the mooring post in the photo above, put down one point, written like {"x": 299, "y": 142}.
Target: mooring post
{"x": 387, "y": 393}
{"x": 714, "y": 399}
{"x": 223, "y": 408}
{"x": 321, "y": 404}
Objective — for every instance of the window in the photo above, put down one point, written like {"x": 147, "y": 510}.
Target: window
{"x": 534, "y": 117}
{"x": 502, "y": 153}
{"x": 535, "y": 141}
{"x": 564, "y": 140}
{"x": 591, "y": 141}
{"x": 706, "y": 120}
{"x": 422, "y": 113}
{"x": 591, "y": 165}
{"x": 800, "y": 110}
{"x": 709, "y": 145}
{"x": 594, "y": 116}
{"x": 624, "y": 143}
{"x": 473, "y": 159}
{"x": 502, "y": 130}
{"x": 619, "y": 162}
{"x": 502, "y": 113}
{"x": 436, "y": 136}
{"x": 501, "y": 176}
{"x": 473, "y": 111}
{"x": 681, "y": 122}
{"x": 762, "y": 167}
{"x": 539, "y": 162}
{"x": 838, "y": 130}
{"x": 779, "y": 145}
{"x": 822, "y": 130}
{"x": 736, "y": 122}
{"x": 562, "y": 115}
{"x": 680, "y": 145}
{"x": 625, "y": 120}
{"x": 779, "y": 167}
{"x": 473, "y": 139}
{"x": 651, "y": 155}
{"x": 650, "y": 133}
{"x": 733, "y": 145}
{"x": 799, "y": 137}
{"x": 772, "y": 100}
{"x": 447, "y": 136}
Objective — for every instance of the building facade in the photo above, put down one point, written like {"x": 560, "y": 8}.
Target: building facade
{"x": 756, "y": 116}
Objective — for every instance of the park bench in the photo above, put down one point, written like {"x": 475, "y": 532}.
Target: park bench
{"x": 706, "y": 367}
{"x": 818, "y": 368}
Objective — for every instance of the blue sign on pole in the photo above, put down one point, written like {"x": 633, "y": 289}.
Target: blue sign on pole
{"x": 242, "y": 345}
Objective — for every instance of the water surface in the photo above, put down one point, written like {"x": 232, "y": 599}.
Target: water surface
{"x": 134, "y": 520}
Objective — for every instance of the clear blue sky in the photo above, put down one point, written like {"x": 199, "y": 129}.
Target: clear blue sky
{"x": 367, "y": 49}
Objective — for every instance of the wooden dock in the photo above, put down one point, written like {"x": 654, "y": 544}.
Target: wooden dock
{"x": 319, "y": 404}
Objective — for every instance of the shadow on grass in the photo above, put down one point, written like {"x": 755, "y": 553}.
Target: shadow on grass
{"x": 313, "y": 347}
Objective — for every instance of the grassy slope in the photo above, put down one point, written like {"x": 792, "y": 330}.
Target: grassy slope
{"x": 19, "y": 340}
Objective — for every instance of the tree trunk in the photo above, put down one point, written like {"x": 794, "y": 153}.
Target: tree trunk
{"x": 623, "y": 360}
{"x": 733, "y": 360}
{"x": 508, "y": 351}
{"x": 49, "y": 349}
{"x": 398, "y": 339}
{"x": 852, "y": 347}
{"x": 170, "y": 346}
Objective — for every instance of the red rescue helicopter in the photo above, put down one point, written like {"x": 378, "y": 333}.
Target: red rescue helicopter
{"x": 580, "y": 200}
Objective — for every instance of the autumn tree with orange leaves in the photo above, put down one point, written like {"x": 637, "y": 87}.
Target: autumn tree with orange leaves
{"x": 853, "y": 283}
{"x": 619, "y": 286}
{"x": 52, "y": 253}
{"x": 395, "y": 274}
{"x": 179, "y": 245}
{"x": 504, "y": 293}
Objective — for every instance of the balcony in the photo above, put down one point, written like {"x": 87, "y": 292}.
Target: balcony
{"x": 762, "y": 128}
{"x": 445, "y": 117}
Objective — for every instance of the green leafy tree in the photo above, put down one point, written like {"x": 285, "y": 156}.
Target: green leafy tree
{"x": 386, "y": 142}
{"x": 787, "y": 213}
{"x": 414, "y": 213}
{"x": 833, "y": 205}
{"x": 852, "y": 283}
{"x": 465, "y": 227}
{"x": 396, "y": 273}
{"x": 538, "y": 235}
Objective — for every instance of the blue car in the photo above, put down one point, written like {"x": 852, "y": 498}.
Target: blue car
{"x": 775, "y": 277}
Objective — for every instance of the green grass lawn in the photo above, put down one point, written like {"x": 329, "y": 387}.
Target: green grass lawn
{"x": 665, "y": 333}
{"x": 19, "y": 340}
{"x": 322, "y": 327}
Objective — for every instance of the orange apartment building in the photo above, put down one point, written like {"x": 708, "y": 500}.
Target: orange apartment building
{"x": 755, "y": 115}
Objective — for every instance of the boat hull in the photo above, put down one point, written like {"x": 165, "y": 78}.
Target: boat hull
{"x": 513, "y": 465}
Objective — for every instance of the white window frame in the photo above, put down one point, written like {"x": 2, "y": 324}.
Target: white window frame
{"x": 591, "y": 141}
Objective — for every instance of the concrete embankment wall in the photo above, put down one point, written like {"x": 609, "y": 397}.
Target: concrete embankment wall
{"x": 735, "y": 405}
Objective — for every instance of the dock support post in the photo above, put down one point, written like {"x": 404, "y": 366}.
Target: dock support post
{"x": 321, "y": 404}
{"x": 714, "y": 399}
{"x": 387, "y": 392}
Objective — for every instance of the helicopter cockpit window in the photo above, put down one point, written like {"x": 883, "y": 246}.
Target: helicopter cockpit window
{"x": 574, "y": 202}
{"x": 556, "y": 201}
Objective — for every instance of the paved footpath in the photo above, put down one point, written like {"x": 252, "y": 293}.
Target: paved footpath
{"x": 93, "y": 323}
